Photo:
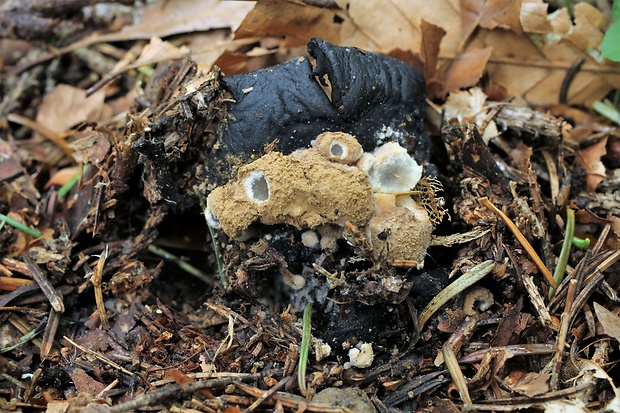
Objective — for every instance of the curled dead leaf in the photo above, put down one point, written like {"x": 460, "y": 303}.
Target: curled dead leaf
{"x": 590, "y": 159}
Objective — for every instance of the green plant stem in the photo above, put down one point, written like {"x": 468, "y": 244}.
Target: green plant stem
{"x": 581, "y": 243}
{"x": 304, "y": 349}
{"x": 607, "y": 109}
{"x": 560, "y": 269}
{"x": 64, "y": 190}
{"x": 18, "y": 225}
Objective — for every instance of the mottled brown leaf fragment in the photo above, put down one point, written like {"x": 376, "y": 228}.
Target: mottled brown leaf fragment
{"x": 609, "y": 321}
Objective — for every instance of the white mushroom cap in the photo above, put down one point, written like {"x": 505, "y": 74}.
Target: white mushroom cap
{"x": 391, "y": 169}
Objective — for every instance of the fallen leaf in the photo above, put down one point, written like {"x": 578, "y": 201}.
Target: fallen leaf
{"x": 469, "y": 106}
{"x": 159, "y": 50}
{"x": 57, "y": 406}
{"x": 431, "y": 40}
{"x": 66, "y": 106}
{"x": 91, "y": 146}
{"x": 466, "y": 69}
{"x": 490, "y": 14}
{"x": 62, "y": 176}
{"x": 83, "y": 382}
{"x": 10, "y": 165}
{"x": 294, "y": 22}
{"x": 534, "y": 17}
{"x": 166, "y": 18}
{"x": 533, "y": 384}
{"x": 530, "y": 60}
{"x": 609, "y": 321}
{"x": 590, "y": 159}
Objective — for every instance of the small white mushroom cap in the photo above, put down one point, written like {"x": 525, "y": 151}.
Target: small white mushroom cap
{"x": 361, "y": 356}
{"x": 390, "y": 169}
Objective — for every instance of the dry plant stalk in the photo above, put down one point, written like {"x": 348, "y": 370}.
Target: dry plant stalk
{"x": 96, "y": 280}
{"x": 521, "y": 238}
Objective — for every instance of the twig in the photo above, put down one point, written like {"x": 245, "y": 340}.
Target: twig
{"x": 49, "y": 134}
{"x": 107, "y": 389}
{"x": 100, "y": 357}
{"x": 458, "y": 338}
{"x": 528, "y": 401}
{"x": 48, "y": 289}
{"x": 561, "y": 339}
{"x": 568, "y": 79}
{"x": 454, "y": 369}
{"x": 514, "y": 349}
{"x": 554, "y": 181}
{"x": 96, "y": 281}
{"x": 50, "y": 332}
{"x": 175, "y": 390}
{"x": 521, "y": 238}
{"x": 268, "y": 394}
{"x": 293, "y": 401}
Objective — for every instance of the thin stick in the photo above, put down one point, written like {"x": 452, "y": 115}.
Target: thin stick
{"x": 154, "y": 397}
{"x": 184, "y": 265}
{"x": 48, "y": 289}
{"x": 267, "y": 395}
{"x": 561, "y": 340}
{"x": 454, "y": 369}
{"x": 107, "y": 389}
{"x": 293, "y": 401}
{"x": 100, "y": 357}
{"x": 50, "y": 332}
{"x": 96, "y": 280}
{"x": 521, "y": 238}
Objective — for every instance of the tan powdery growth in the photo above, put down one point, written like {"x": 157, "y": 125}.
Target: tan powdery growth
{"x": 314, "y": 187}
{"x": 304, "y": 189}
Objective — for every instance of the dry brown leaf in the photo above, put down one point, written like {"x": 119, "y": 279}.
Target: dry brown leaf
{"x": 490, "y": 14}
{"x": 62, "y": 176}
{"x": 466, "y": 69}
{"x": 84, "y": 383}
{"x": 66, "y": 106}
{"x": 590, "y": 159}
{"x": 532, "y": 65}
{"x": 165, "y": 18}
{"x": 469, "y": 106}
{"x": 162, "y": 18}
{"x": 429, "y": 53}
{"x": 609, "y": 321}
{"x": 159, "y": 50}
{"x": 534, "y": 17}
{"x": 295, "y": 22}
{"x": 10, "y": 164}
{"x": 533, "y": 384}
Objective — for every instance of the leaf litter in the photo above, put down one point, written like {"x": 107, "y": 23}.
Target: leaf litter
{"x": 93, "y": 319}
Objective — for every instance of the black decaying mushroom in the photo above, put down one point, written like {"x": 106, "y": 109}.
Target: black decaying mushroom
{"x": 374, "y": 97}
